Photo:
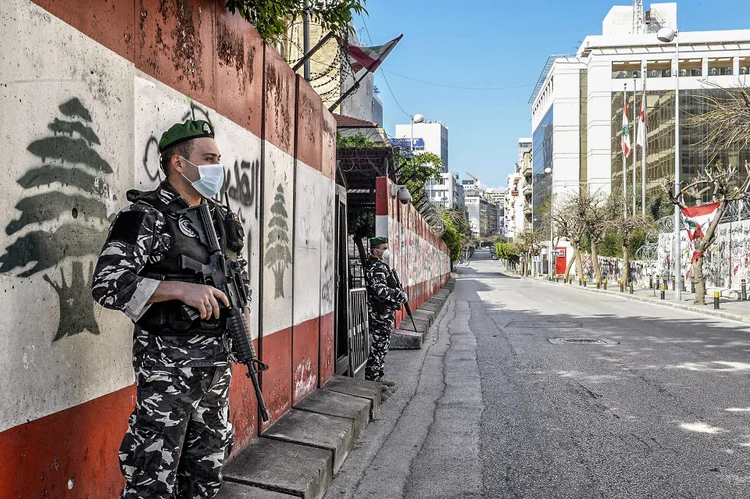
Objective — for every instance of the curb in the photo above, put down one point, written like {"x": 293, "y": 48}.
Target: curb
{"x": 404, "y": 337}
{"x": 655, "y": 301}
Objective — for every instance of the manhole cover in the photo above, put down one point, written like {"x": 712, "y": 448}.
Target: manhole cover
{"x": 544, "y": 325}
{"x": 582, "y": 341}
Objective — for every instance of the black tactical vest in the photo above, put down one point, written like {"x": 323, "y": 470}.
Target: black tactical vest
{"x": 172, "y": 317}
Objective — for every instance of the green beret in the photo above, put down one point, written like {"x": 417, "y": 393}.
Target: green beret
{"x": 377, "y": 241}
{"x": 180, "y": 132}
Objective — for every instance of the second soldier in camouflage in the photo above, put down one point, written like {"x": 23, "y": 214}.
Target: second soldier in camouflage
{"x": 384, "y": 299}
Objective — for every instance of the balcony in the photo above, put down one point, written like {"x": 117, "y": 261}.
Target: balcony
{"x": 527, "y": 210}
{"x": 526, "y": 169}
{"x": 527, "y": 190}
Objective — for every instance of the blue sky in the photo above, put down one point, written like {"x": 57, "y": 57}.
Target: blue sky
{"x": 492, "y": 43}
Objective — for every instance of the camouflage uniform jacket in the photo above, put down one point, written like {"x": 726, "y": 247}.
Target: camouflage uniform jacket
{"x": 140, "y": 236}
{"x": 382, "y": 293}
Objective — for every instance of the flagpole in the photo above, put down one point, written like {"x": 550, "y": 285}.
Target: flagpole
{"x": 644, "y": 103}
{"x": 635, "y": 145}
{"x": 624, "y": 159}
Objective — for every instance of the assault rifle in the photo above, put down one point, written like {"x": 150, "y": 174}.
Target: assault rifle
{"x": 406, "y": 303}
{"x": 226, "y": 276}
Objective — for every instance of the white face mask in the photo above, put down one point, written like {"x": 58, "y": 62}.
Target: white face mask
{"x": 211, "y": 179}
{"x": 387, "y": 255}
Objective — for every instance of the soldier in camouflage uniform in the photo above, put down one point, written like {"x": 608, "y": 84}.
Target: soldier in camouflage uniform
{"x": 384, "y": 299}
{"x": 179, "y": 432}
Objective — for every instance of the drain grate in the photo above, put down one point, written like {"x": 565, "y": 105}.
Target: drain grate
{"x": 582, "y": 341}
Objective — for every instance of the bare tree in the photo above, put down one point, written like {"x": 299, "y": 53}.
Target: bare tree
{"x": 598, "y": 213}
{"x": 568, "y": 220}
{"x": 627, "y": 228}
{"x": 529, "y": 244}
{"x": 722, "y": 185}
{"x": 723, "y": 120}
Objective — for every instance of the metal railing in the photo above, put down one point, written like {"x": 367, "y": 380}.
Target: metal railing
{"x": 359, "y": 330}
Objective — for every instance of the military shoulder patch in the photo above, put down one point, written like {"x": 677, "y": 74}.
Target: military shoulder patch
{"x": 127, "y": 227}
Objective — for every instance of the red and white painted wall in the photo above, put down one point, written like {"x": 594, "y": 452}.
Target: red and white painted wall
{"x": 86, "y": 90}
{"x": 420, "y": 258}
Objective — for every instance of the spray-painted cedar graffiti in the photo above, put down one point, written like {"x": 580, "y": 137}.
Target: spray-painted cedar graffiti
{"x": 278, "y": 257}
{"x": 72, "y": 165}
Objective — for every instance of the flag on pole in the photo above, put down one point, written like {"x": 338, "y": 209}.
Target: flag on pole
{"x": 370, "y": 58}
{"x": 625, "y": 141}
{"x": 641, "y": 135}
{"x": 697, "y": 219}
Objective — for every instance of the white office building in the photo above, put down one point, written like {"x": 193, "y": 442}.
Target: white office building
{"x": 429, "y": 136}
{"x": 444, "y": 192}
{"x": 577, "y": 105}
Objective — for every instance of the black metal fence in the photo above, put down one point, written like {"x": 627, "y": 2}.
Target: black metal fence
{"x": 359, "y": 331}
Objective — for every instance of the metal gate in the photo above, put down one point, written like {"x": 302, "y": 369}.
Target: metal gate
{"x": 359, "y": 330}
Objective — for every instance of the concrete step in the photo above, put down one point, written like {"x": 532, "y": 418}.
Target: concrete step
{"x": 232, "y": 490}
{"x": 292, "y": 469}
{"x": 316, "y": 430}
{"x": 424, "y": 314}
{"x": 299, "y": 454}
{"x": 370, "y": 390}
{"x": 406, "y": 340}
{"x": 420, "y": 325}
{"x": 340, "y": 405}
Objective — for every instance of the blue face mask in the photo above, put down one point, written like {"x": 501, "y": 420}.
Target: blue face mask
{"x": 211, "y": 179}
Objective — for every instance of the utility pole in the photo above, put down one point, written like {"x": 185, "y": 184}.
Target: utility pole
{"x": 306, "y": 38}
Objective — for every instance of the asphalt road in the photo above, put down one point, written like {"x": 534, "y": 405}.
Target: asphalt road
{"x": 491, "y": 408}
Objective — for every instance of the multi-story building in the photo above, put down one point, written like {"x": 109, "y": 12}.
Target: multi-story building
{"x": 515, "y": 205}
{"x": 577, "y": 105}
{"x": 444, "y": 192}
{"x": 496, "y": 196}
{"x": 429, "y": 136}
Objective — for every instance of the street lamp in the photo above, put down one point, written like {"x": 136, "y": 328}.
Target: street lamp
{"x": 667, "y": 35}
{"x": 548, "y": 171}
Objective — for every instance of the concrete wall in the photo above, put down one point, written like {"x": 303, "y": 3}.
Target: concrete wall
{"x": 726, "y": 263}
{"x": 87, "y": 88}
{"x": 419, "y": 257}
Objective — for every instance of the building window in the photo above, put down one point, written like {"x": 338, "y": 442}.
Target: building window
{"x": 659, "y": 69}
{"x": 691, "y": 68}
{"x": 720, "y": 67}
{"x": 626, "y": 70}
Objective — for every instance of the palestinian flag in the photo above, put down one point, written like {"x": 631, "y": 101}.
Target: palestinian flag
{"x": 697, "y": 219}
{"x": 370, "y": 58}
{"x": 625, "y": 141}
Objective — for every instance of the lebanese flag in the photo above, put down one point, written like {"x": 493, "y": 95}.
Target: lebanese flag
{"x": 641, "y": 135}
{"x": 625, "y": 141}
{"x": 370, "y": 58}
{"x": 697, "y": 219}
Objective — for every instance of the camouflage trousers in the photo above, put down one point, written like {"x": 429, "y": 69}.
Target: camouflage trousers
{"x": 381, "y": 326}
{"x": 179, "y": 433}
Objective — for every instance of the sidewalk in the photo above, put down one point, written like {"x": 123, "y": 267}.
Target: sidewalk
{"x": 299, "y": 454}
{"x": 730, "y": 307}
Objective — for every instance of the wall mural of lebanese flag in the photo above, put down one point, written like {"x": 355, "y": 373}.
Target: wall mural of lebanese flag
{"x": 697, "y": 219}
